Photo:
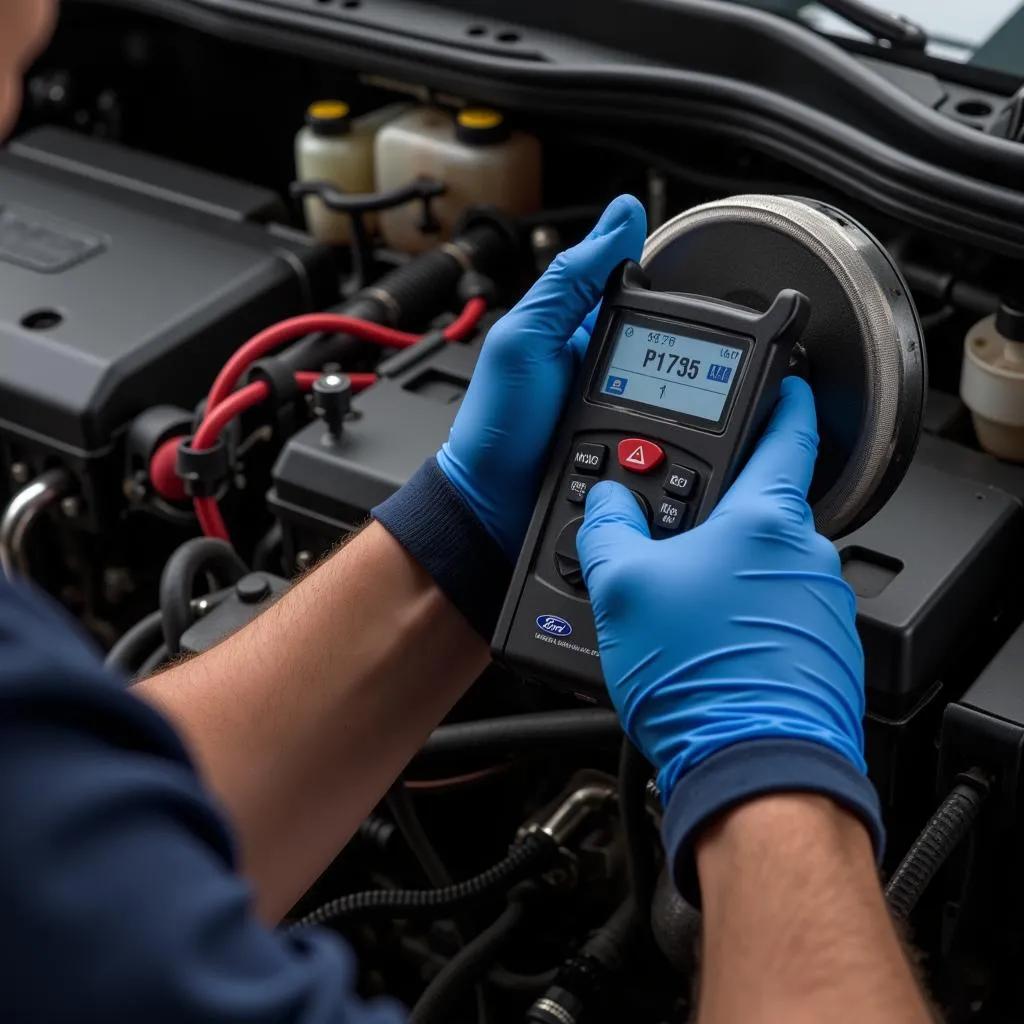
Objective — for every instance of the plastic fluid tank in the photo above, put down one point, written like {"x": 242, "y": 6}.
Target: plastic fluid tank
{"x": 992, "y": 381}
{"x": 334, "y": 147}
{"x": 480, "y": 160}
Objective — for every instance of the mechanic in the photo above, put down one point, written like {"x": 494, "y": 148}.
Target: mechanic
{"x": 142, "y": 863}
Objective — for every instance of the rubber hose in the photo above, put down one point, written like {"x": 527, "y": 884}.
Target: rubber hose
{"x": 634, "y": 775}
{"x": 944, "y": 287}
{"x": 939, "y": 838}
{"x": 677, "y": 927}
{"x": 464, "y": 969}
{"x": 611, "y": 942}
{"x": 408, "y": 297}
{"x": 516, "y": 733}
{"x": 933, "y": 321}
{"x": 582, "y": 980}
{"x": 418, "y": 287}
{"x": 201, "y": 554}
{"x": 136, "y": 645}
{"x": 400, "y": 805}
{"x": 488, "y": 247}
{"x": 152, "y": 663}
{"x": 408, "y": 821}
{"x": 267, "y": 555}
{"x": 423, "y": 284}
{"x": 513, "y": 983}
{"x": 524, "y": 860}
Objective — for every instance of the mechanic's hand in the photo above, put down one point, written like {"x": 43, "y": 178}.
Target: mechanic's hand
{"x": 497, "y": 449}
{"x": 740, "y": 629}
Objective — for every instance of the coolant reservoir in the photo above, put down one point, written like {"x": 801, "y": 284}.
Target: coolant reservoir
{"x": 992, "y": 381}
{"x": 478, "y": 158}
{"x": 335, "y": 148}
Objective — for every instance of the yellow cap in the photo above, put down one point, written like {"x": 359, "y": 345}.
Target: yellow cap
{"x": 479, "y": 118}
{"x": 328, "y": 110}
{"x": 480, "y": 126}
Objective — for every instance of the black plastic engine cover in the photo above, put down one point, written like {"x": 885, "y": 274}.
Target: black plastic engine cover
{"x": 125, "y": 282}
{"x": 930, "y": 571}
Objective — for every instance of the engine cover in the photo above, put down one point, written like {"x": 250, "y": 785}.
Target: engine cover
{"x": 126, "y": 283}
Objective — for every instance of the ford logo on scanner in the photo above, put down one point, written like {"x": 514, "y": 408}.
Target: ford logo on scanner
{"x": 554, "y": 625}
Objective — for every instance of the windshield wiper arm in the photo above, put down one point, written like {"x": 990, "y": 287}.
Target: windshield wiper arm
{"x": 892, "y": 28}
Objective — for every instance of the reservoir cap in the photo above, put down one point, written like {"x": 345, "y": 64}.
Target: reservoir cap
{"x": 1010, "y": 319}
{"x": 481, "y": 126}
{"x": 329, "y": 117}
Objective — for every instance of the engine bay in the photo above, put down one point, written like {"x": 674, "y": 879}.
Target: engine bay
{"x": 199, "y": 196}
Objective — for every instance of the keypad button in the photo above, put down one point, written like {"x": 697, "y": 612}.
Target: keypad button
{"x": 680, "y": 481}
{"x": 638, "y": 455}
{"x": 669, "y": 514}
{"x": 644, "y": 504}
{"x": 576, "y": 488}
{"x": 589, "y": 458}
{"x": 567, "y": 561}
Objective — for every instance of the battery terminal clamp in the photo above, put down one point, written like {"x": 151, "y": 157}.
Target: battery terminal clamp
{"x": 332, "y": 400}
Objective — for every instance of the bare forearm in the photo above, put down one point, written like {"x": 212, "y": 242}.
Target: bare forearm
{"x": 302, "y": 720}
{"x": 795, "y": 924}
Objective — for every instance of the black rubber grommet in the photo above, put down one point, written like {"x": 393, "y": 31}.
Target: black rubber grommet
{"x": 474, "y": 285}
{"x": 279, "y": 378}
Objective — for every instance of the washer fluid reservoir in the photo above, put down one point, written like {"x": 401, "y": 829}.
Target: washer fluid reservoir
{"x": 479, "y": 159}
{"x": 334, "y": 147}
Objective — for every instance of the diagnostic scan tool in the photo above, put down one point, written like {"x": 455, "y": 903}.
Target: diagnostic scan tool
{"x": 673, "y": 395}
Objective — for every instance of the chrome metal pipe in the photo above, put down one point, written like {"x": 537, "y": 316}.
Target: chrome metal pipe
{"x": 21, "y": 513}
{"x": 573, "y": 811}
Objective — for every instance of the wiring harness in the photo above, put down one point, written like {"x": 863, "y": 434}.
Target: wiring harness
{"x": 525, "y": 860}
{"x": 224, "y": 403}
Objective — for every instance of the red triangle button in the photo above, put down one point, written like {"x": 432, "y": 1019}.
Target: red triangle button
{"x": 638, "y": 455}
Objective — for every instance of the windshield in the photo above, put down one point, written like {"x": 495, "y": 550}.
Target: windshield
{"x": 989, "y": 33}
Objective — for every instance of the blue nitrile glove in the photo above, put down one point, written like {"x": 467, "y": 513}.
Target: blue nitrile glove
{"x": 464, "y": 514}
{"x": 734, "y": 645}
{"x": 497, "y": 449}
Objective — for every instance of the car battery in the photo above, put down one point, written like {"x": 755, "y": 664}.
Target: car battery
{"x": 324, "y": 485}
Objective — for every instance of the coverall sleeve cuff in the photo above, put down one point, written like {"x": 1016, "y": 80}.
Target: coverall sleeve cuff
{"x": 755, "y": 768}
{"x": 431, "y": 521}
